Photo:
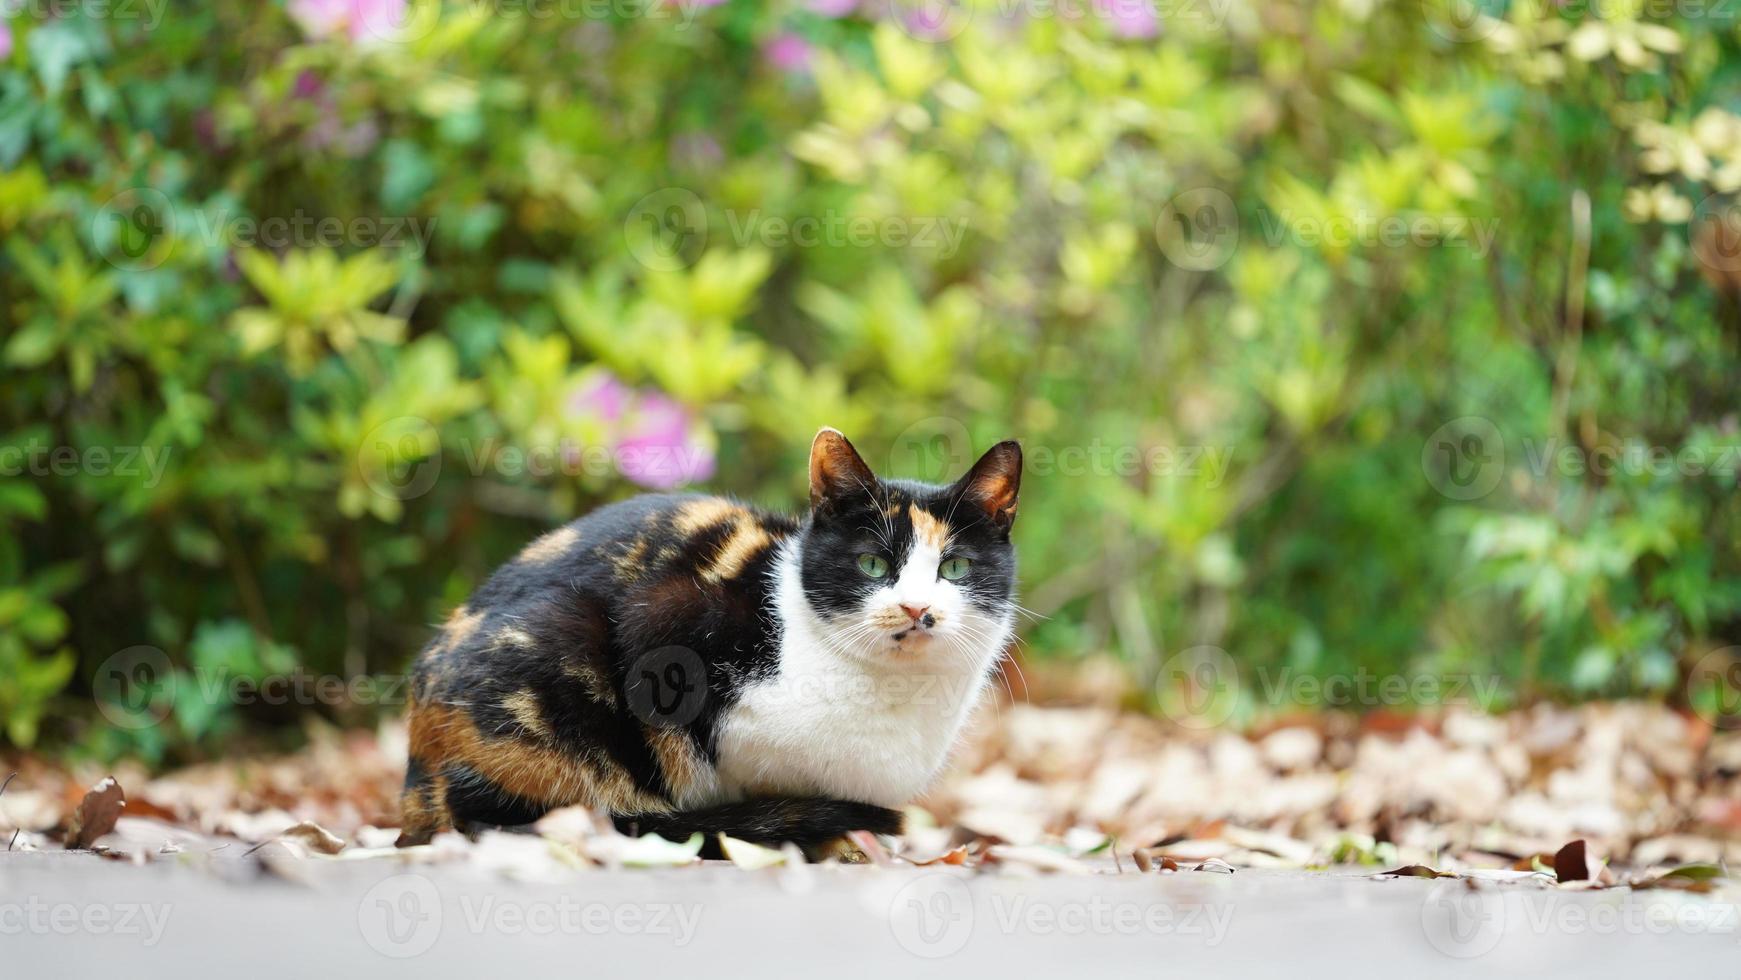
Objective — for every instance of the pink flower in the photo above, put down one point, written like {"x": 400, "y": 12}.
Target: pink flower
{"x": 1130, "y": 19}
{"x": 5, "y": 39}
{"x": 603, "y": 396}
{"x": 656, "y": 441}
{"x": 661, "y": 449}
{"x": 834, "y": 8}
{"x": 363, "y": 21}
{"x": 307, "y": 86}
{"x": 788, "y": 52}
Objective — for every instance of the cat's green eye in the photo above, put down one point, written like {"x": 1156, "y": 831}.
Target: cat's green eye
{"x": 954, "y": 569}
{"x": 873, "y": 565}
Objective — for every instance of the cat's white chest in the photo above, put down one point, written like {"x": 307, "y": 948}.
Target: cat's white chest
{"x": 876, "y": 729}
{"x": 839, "y": 732}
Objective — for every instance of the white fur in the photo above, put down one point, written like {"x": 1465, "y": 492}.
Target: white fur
{"x": 852, "y": 712}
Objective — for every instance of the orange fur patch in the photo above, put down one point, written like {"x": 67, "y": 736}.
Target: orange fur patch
{"x": 631, "y": 562}
{"x": 929, "y": 530}
{"x": 523, "y": 705}
{"x": 679, "y": 759}
{"x": 592, "y": 679}
{"x": 699, "y": 515}
{"x": 423, "y": 811}
{"x": 442, "y": 735}
{"x": 550, "y": 547}
{"x": 458, "y": 631}
{"x": 747, "y": 541}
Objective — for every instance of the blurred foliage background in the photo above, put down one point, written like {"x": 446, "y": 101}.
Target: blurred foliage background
{"x": 1344, "y": 335}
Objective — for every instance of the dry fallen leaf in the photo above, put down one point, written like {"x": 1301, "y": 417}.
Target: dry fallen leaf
{"x": 956, "y": 856}
{"x": 1416, "y": 871}
{"x": 96, "y": 814}
{"x": 1699, "y": 878}
{"x": 1541, "y": 861}
{"x": 314, "y": 837}
{"x": 750, "y": 857}
{"x": 1574, "y": 863}
{"x": 647, "y": 851}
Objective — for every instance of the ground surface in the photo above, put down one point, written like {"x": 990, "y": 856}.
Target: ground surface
{"x": 388, "y": 919}
{"x": 1064, "y": 840}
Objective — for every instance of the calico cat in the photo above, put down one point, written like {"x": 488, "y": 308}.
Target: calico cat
{"x": 688, "y": 663}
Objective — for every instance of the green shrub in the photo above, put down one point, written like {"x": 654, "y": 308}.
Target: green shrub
{"x": 1230, "y": 284}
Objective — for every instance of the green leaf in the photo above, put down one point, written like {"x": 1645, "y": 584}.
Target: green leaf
{"x": 22, "y": 499}
{"x": 34, "y": 345}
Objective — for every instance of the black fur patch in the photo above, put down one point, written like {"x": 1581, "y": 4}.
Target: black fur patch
{"x": 804, "y": 821}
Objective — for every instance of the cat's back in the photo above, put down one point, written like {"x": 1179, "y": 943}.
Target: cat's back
{"x": 644, "y": 542}
{"x": 650, "y": 571}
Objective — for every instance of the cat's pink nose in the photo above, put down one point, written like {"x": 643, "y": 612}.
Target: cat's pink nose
{"x": 915, "y": 612}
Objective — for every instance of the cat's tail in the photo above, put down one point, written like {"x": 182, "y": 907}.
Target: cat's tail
{"x": 809, "y": 822}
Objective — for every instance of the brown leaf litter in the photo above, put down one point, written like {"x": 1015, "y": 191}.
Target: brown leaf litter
{"x": 1536, "y": 794}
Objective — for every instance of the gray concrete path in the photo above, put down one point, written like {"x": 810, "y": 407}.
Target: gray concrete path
{"x": 77, "y": 916}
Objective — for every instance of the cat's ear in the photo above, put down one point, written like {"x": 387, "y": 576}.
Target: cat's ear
{"x": 836, "y": 470}
{"x": 994, "y": 483}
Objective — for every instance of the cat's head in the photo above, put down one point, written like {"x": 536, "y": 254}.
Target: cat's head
{"x": 896, "y": 570}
